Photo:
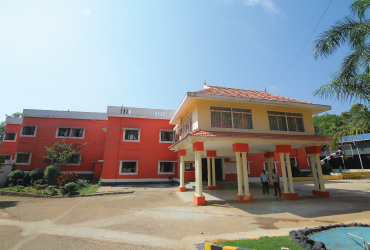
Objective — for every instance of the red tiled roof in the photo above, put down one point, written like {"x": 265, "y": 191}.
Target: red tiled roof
{"x": 253, "y": 94}
{"x": 199, "y": 132}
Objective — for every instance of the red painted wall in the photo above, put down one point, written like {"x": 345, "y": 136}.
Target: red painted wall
{"x": 10, "y": 147}
{"x": 256, "y": 164}
{"x": 148, "y": 151}
{"x": 94, "y": 136}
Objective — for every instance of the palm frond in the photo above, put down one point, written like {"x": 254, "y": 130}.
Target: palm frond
{"x": 357, "y": 125}
{"x": 347, "y": 30}
{"x": 356, "y": 62}
{"x": 346, "y": 89}
{"x": 359, "y": 7}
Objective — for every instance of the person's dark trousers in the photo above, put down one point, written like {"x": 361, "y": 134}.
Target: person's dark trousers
{"x": 265, "y": 187}
{"x": 277, "y": 187}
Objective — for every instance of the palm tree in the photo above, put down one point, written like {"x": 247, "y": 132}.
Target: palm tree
{"x": 352, "y": 81}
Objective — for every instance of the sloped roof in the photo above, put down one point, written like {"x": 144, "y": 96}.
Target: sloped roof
{"x": 245, "y": 93}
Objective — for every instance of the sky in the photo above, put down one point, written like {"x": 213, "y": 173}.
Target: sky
{"x": 81, "y": 55}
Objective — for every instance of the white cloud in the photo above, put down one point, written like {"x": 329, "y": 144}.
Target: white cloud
{"x": 267, "y": 5}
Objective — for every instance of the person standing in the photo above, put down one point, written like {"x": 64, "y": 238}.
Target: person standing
{"x": 276, "y": 180}
{"x": 265, "y": 182}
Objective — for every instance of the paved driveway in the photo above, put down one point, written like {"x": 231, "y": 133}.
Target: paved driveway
{"x": 155, "y": 217}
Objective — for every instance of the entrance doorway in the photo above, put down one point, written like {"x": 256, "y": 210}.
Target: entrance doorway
{"x": 218, "y": 169}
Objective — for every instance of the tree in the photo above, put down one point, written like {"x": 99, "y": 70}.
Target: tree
{"x": 352, "y": 81}
{"x": 327, "y": 124}
{"x": 60, "y": 152}
{"x": 3, "y": 125}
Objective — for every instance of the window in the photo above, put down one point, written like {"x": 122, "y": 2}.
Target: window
{"x": 223, "y": 117}
{"x": 9, "y": 136}
{"x": 131, "y": 134}
{"x": 265, "y": 166}
{"x": 6, "y": 160}
{"x": 128, "y": 167}
{"x": 293, "y": 161}
{"x": 166, "y": 167}
{"x": 283, "y": 121}
{"x": 166, "y": 136}
{"x": 189, "y": 166}
{"x": 74, "y": 160}
{"x": 23, "y": 158}
{"x": 28, "y": 130}
{"x": 187, "y": 125}
{"x": 70, "y": 132}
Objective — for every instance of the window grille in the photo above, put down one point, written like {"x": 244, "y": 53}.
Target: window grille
{"x": 28, "y": 130}
{"x": 22, "y": 158}
{"x": 224, "y": 117}
{"x": 187, "y": 125}
{"x": 284, "y": 121}
{"x": 129, "y": 167}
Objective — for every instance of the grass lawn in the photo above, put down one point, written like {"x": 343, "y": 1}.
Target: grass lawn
{"x": 93, "y": 186}
{"x": 263, "y": 243}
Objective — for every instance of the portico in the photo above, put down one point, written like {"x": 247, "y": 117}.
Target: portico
{"x": 237, "y": 126}
{"x": 200, "y": 144}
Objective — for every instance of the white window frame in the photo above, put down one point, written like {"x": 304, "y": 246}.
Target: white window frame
{"x": 159, "y": 167}
{"x": 274, "y": 166}
{"x": 128, "y": 173}
{"x": 69, "y": 136}
{"x": 124, "y": 134}
{"x": 249, "y": 166}
{"x": 165, "y": 130}
{"x": 15, "y": 137}
{"x": 8, "y": 162}
{"x": 189, "y": 123}
{"x": 29, "y": 158}
{"x": 34, "y": 135}
{"x": 76, "y": 164}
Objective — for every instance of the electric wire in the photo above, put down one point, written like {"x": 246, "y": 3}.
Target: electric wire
{"x": 304, "y": 46}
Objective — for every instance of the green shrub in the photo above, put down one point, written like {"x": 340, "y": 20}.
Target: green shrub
{"x": 19, "y": 188}
{"x": 26, "y": 179}
{"x": 51, "y": 174}
{"x": 296, "y": 172}
{"x": 82, "y": 184}
{"x": 14, "y": 176}
{"x": 52, "y": 189}
{"x": 40, "y": 182}
{"x": 36, "y": 174}
{"x": 67, "y": 178}
{"x": 68, "y": 188}
{"x": 326, "y": 168}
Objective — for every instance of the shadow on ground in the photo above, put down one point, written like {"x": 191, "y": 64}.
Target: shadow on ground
{"x": 6, "y": 204}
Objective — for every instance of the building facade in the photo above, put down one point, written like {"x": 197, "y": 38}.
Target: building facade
{"x": 215, "y": 134}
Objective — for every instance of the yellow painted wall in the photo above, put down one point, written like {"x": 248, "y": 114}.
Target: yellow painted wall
{"x": 193, "y": 111}
{"x": 259, "y": 116}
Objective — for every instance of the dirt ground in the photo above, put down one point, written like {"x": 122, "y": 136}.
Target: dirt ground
{"x": 156, "y": 218}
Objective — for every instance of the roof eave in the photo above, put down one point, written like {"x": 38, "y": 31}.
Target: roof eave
{"x": 322, "y": 108}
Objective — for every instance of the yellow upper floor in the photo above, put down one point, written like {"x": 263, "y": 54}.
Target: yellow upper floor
{"x": 238, "y": 110}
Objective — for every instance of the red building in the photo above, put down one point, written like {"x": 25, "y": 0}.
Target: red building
{"x": 127, "y": 145}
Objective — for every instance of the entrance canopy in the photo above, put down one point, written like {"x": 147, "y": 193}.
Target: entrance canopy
{"x": 258, "y": 142}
